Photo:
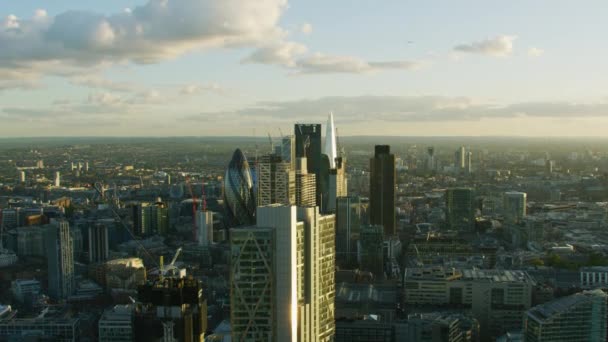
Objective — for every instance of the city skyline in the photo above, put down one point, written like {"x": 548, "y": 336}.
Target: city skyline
{"x": 166, "y": 68}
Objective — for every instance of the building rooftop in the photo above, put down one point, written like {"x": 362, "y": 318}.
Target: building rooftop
{"x": 545, "y": 311}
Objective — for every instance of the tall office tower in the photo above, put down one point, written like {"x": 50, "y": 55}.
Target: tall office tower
{"x": 319, "y": 281}
{"x": 460, "y": 209}
{"x": 40, "y": 164}
{"x": 459, "y": 158}
{"x": 468, "y": 167}
{"x": 382, "y": 189}
{"x": 116, "y": 324}
{"x": 276, "y": 181}
{"x": 150, "y": 218}
{"x": 308, "y": 145}
{"x": 72, "y": 166}
{"x": 331, "y": 146}
{"x": 338, "y": 184}
{"x": 204, "y": 223}
{"x": 549, "y": 164}
{"x": 288, "y": 150}
{"x": 139, "y": 219}
{"x": 370, "y": 246}
{"x": 348, "y": 224}
{"x": 21, "y": 177}
{"x": 305, "y": 185}
{"x": 578, "y": 318}
{"x": 98, "y": 243}
{"x": 57, "y": 179}
{"x": 60, "y": 259}
{"x": 239, "y": 194}
{"x": 171, "y": 309}
{"x": 271, "y": 256}
{"x": 430, "y": 159}
{"x": 514, "y": 204}
{"x": 289, "y": 257}
{"x": 86, "y": 166}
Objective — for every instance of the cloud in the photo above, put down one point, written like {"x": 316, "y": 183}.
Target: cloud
{"x": 321, "y": 64}
{"x": 280, "y": 53}
{"x": 97, "y": 82}
{"x": 500, "y": 46}
{"x": 192, "y": 89}
{"x": 364, "y": 109}
{"x": 535, "y": 52}
{"x": 155, "y": 31}
{"x": 306, "y": 28}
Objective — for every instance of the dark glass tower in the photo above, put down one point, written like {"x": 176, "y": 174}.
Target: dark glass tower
{"x": 460, "y": 209}
{"x": 382, "y": 189}
{"x": 239, "y": 196}
{"x": 308, "y": 145}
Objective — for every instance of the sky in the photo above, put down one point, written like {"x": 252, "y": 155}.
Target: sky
{"x": 244, "y": 67}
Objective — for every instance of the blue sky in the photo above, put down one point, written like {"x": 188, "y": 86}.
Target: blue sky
{"x": 206, "y": 67}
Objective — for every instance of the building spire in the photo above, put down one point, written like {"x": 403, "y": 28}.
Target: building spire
{"x": 330, "y": 141}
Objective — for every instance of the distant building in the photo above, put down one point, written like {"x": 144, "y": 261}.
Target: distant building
{"x": 348, "y": 224}
{"x": 21, "y": 177}
{"x": 594, "y": 277}
{"x": 204, "y": 224}
{"x": 171, "y": 310}
{"x": 57, "y": 179}
{"x": 25, "y": 290}
{"x": 305, "y": 185}
{"x": 288, "y": 150}
{"x": 364, "y": 330}
{"x": 98, "y": 243}
{"x": 442, "y": 327}
{"x": 460, "y": 209}
{"x": 60, "y": 259}
{"x": 239, "y": 194}
{"x": 459, "y": 158}
{"x": 150, "y": 218}
{"x": 338, "y": 184}
{"x": 125, "y": 273}
{"x": 514, "y": 206}
{"x": 578, "y": 318}
{"x": 382, "y": 189}
{"x": 308, "y": 145}
{"x": 276, "y": 181}
{"x": 370, "y": 254}
{"x": 48, "y": 326}
{"x": 116, "y": 324}
{"x": 495, "y": 297}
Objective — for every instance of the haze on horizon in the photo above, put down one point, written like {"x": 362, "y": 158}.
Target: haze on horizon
{"x": 227, "y": 68}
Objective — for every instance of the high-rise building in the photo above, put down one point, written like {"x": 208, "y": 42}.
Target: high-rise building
{"x": 514, "y": 206}
{"x": 496, "y": 298}
{"x": 308, "y": 145}
{"x": 460, "y": 209}
{"x": 57, "y": 179}
{"x": 204, "y": 223}
{"x": 276, "y": 181}
{"x": 60, "y": 259}
{"x": 370, "y": 254}
{"x": 239, "y": 193}
{"x": 282, "y": 276}
{"x": 98, "y": 243}
{"x": 171, "y": 309}
{"x": 116, "y": 324}
{"x": 150, "y": 218}
{"x": 21, "y": 177}
{"x": 459, "y": 158}
{"x": 348, "y": 223}
{"x": 382, "y": 189}
{"x": 430, "y": 162}
{"x": 288, "y": 150}
{"x": 338, "y": 185}
{"x": 40, "y": 164}
{"x": 331, "y": 145}
{"x": 468, "y": 165}
{"x": 305, "y": 185}
{"x": 577, "y": 318}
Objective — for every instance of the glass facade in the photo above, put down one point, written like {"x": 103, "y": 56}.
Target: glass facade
{"x": 238, "y": 191}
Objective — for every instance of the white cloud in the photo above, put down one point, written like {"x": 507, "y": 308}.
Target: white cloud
{"x": 281, "y": 53}
{"x": 149, "y": 33}
{"x": 320, "y": 63}
{"x": 306, "y": 28}
{"x": 97, "y": 82}
{"x": 192, "y": 89}
{"x": 500, "y": 46}
{"x": 535, "y": 52}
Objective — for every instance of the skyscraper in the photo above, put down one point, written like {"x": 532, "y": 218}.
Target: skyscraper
{"x": 370, "y": 254}
{"x": 338, "y": 184}
{"x": 239, "y": 194}
{"x": 382, "y": 189}
{"x": 514, "y": 206}
{"x": 331, "y": 146}
{"x": 57, "y": 179}
{"x": 577, "y": 318}
{"x": 282, "y": 281}
{"x": 348, "y": 223}
{"x": 308, "y": 145}
{"x": 459, "y": 158}
{"x": 171, "y": 310}
{"x": 288, "y": 150}
{"x": 150, "y": 218}
{"x": 204, "y": 223}
{"x": 276, "y": 181}
{"x": 60, "y": 259}
{"x": 460, "y": 209}
{"x": 22, "y": 177}
{"x": 98, "y": 243}
{"x": 305, "y": 185}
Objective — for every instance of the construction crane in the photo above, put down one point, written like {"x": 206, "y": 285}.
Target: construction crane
{"x": 163, "y": 270}
{"x": 271, "y": 144}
